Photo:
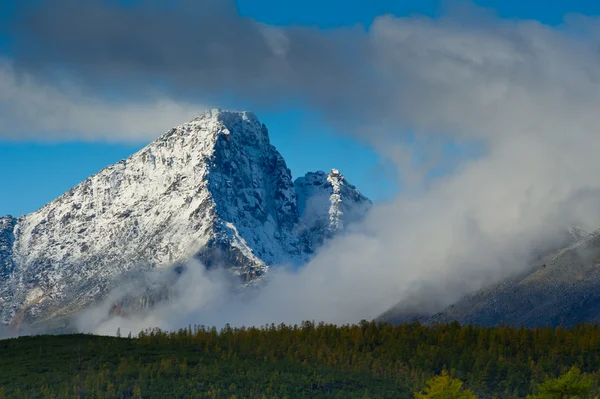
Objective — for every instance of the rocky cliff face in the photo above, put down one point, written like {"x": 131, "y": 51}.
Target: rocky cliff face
{"x": 213, "y": 188}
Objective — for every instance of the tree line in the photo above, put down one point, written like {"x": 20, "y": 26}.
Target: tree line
{"x": 367, "y": 360}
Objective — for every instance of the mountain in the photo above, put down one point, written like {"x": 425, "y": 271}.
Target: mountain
{"x": 213, "y": 188}
{"x": 326, "y": 204}
{"x": 561, "y": 288}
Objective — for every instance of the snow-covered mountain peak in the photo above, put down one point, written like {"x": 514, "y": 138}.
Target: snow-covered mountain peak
{"x": 219, "y": 114}
{"x": 213, "y": 188}
{"x": 327, "y": 203}
{"x": 243, "y": 126}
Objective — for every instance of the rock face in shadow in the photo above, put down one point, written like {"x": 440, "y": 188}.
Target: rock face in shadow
{"x": 7, "y": 240}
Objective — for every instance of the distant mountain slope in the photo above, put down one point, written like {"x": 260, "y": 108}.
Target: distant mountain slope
{"x": 560, "y": 288}
{"x": 564, "y": 290}
{"x": 213, "y": 188}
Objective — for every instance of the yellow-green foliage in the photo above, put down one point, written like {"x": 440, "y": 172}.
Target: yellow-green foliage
{"x": 445, "y": 387}
{"x": 571, "y": 385}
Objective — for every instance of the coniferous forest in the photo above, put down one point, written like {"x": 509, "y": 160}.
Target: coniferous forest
{"x": 369, "y": 360}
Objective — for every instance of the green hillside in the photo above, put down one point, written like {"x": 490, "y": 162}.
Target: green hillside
{"x": 368, "y": 360}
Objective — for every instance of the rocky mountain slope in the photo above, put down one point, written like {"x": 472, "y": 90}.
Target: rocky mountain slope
{"x": 213, "y": 188}
{"x": 563, "y": 289}
{"x": 560, "y": 288}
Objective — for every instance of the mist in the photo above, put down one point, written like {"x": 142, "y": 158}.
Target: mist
{"x": 526, "y": 94}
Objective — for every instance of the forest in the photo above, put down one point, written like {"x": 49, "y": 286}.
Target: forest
{"x": 367, "y": 360}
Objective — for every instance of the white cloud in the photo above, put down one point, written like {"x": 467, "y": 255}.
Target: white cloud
{"x": 529, "y": 94}
{"x": 32, "y": 109}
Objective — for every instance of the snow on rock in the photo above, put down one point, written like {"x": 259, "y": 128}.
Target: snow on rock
{"x": 213, "y": 188}
{"x": 7, "y": 239}
{"x": 327, "y": 203}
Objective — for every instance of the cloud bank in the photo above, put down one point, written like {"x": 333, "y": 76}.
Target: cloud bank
{"x": 36, "y": 110}
{"x": 399, "y": 73}
{"x": 526, "y": 93}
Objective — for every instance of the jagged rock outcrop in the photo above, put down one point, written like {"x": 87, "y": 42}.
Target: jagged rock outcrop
{"x": 326, "y": 204}
{"x": 213, "y": 188}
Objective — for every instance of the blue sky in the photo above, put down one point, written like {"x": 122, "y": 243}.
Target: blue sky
{"x": 33, "y": 173}
{"x": 337, "y": 13}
